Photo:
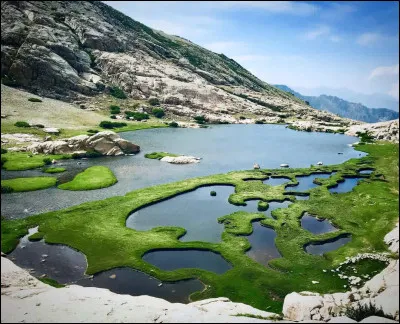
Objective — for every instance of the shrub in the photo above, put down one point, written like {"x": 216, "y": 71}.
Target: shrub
{"x": 39, "y": 126}
{"x": 109, "y": 125}
{"x": 365, "y": 137}
{"x": 117, "y": 93}
{"x": 158, "y": 112}
{"x": 200, "y": 119}
{"x": 22, "y": 124}
{"x": 242, "y": 117}
{"x": 259, "y": 122}
{"x": 115, "y": 109}
{"x": 92, "y": 131}
{"x": 47, "y": 161}
{"x": 173, "y": 124}
{"x": 213, "y": 193}
{"x": 154, "y": 101}
{"x": 363, "y": 311}
{"x": 3, "y": 151}
{"x": 307, "y": 103}
{"x": 113, "y": 117}
{"x": 136, "y": 115}
{"x": 6, "y": 189}
{"x": 93, "y": 154}
{"x": 34, "y": 100}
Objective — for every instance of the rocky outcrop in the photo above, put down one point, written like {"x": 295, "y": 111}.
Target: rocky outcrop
{"x": 385, "y": 131}
{"x": 182, "y": 159}
{"x": 382, "y": 291}
{"x": 105, "y": 143}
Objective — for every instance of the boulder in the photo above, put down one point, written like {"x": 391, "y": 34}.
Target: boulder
{"x": 298, "y": 307}
{"x": 51, "y": 130}
{"x": 183, "y": 159}
{"x": 106, "y": 143}
{"x": 377, "y": 319}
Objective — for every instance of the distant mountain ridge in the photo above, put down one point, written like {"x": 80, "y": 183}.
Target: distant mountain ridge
{"x": 344, "y": 108}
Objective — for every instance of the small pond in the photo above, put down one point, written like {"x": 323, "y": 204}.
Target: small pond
{"x": 136, "y": 283}
{"x": 346, "y": 186}
{"x": 322, "y": 247}
{"x": 366, "y": 171}
{"x": 315, "y": 225}
{"x": 276, "y": 181}
{"x": 307, "y": 182}
{"x": 178, "y": 259}
{"x": 68, "y": 266}
{"x": 262, "y": 242}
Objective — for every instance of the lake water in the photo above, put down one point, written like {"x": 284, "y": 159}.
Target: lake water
{"x": 307, "y": 182}
{"x": 346, "y": 186}
{"x": 322, "y": 247}
{"x": 223, "y": 148}
{"x": 316, "y": 226}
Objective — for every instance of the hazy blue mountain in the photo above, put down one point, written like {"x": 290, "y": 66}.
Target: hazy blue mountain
{"x": 344, "y": 108}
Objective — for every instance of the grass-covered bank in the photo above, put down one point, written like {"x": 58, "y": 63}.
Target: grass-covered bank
{"x": 19, "y": 161}
{"x": 367, "y": 213}
{"x": 28, "y": 184}
{"x": 95, "y": 177}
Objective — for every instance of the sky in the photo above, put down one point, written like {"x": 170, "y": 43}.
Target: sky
{"x": 305, "y": 45}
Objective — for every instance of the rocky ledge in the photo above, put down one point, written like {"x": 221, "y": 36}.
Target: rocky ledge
{"x": 385, "y": 131}
{"x": 104, "y": 143}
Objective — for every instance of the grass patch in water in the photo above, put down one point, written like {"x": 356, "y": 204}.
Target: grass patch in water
{"x": 159, "y": 155}
{"x": 95, "y": 177}
{"x": 54, "y": 170}
{"x": 29, "y": 184}
{"x": 368, "y": 213}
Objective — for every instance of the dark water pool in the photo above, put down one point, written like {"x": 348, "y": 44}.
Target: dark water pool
{"x": 178, "y": 259}
{"x": 68, "y": 266}
{"x": 217, "y": 146}
{"x": 307, "y": 182}
{"x": 262, "y": 242}
{"x": 316, "y": 226}
{"x": 345, "y": 186}
{"x": 136, "y": 283}
{"x": 323, "y": 247}
{"x": 276, "y": 181}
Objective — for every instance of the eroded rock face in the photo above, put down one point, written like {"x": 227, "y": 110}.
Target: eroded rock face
{"x": 106, "y": 143}
{"x": 385, "y": 131}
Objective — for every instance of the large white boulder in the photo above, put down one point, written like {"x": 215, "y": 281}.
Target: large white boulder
{"x": 183, "y": 159}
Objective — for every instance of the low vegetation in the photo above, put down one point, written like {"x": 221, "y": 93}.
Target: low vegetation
{"x": 34, "y": 100}
{"x": 158, "y": 112}
{"x": 54, "y": 170}
{"x": 173, "y": 124}
{"x": 95, "y": 177}
{"x": 115, "y": 109}
{"x": 136, "y": 115}
{"x": 200, "y": 119}
{"x": 51, "y": 282}
{"x": 159, "y": 155}
{"x": 117, "y": 92}
{"x": 19, "y": 161}
{"x": 22, "y": 124}
{"x": 110, "y": 125}
{"x": 154, "y": 102}
{"x": 107, "y": 243}
{"x": 28, "y": 184}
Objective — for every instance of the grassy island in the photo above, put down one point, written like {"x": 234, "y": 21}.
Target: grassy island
{"x": 28, "y": 184}
{"x": 367, "y": 213}
{"x": 159, "y": 155}
{"x": 95, "y": 177}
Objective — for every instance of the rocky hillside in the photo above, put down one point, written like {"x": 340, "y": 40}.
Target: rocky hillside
{"x": 78, "y": 50}
{"x": 345, "y": 108}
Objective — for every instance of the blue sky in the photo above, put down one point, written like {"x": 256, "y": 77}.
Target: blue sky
{"x": 305, "y": 45}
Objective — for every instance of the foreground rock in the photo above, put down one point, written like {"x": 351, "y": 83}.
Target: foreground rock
{"x": 382, "y": 291}
{"x": 385, "y": 131}
{"x": 183, "y": 159}
{"x": 104, "y": 143}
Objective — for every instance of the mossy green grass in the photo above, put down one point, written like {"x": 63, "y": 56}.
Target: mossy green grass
{"x": 54, "y": 170}
{"x": 95, "y": 177}
{"x": 368, "y": 212}
{"x": 29, "y": 184}
{"x": 19, "y": 161}
{"x": 159, "y": 155}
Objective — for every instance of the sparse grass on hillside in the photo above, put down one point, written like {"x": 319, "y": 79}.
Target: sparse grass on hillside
{"x": 29, "y": 184}
{"x": 92, "y": 178}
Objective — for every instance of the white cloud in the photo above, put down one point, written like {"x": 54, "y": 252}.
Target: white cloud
{"x": 279, "y": 7}
{"x": 317, "y": 32}
{"x": 335, "y": 38}
{"x": 384, "y": 71}
{"x": 369, "y": 38}
{"x": 394, "y": 91}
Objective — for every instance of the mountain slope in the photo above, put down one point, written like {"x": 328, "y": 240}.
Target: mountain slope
{"x": 345, "y": 108}
{"x": 79, "y": 50}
